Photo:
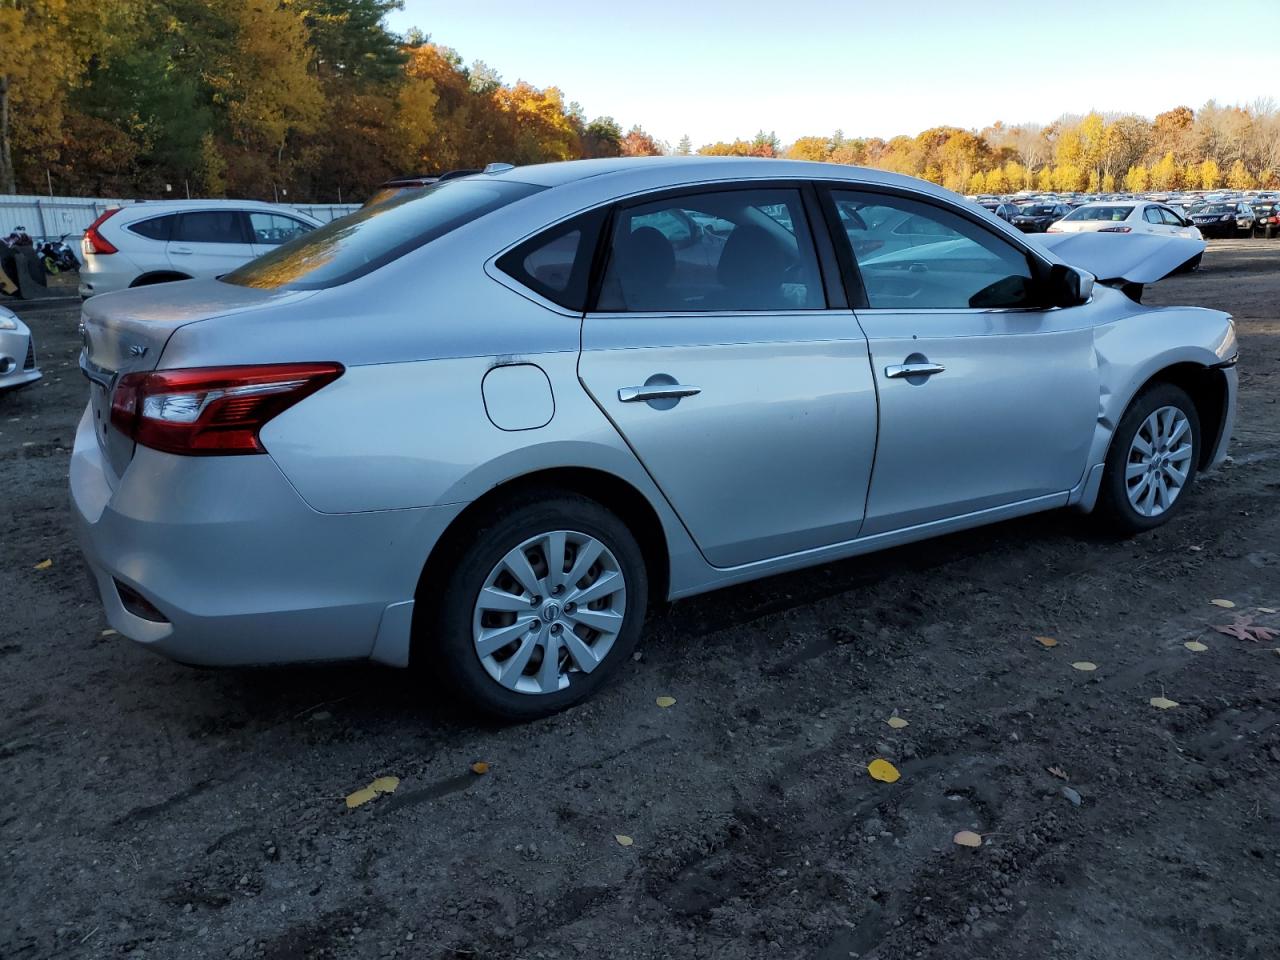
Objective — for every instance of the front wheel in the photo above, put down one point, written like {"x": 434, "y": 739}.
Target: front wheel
{"x": 544, "y": 605}
{"x": 1152, "y": 461}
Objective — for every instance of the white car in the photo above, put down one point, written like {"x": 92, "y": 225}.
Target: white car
{"x": 148, "y": 243}
{"x": 17, "y": 353}
{"x": 1126, "y": 216}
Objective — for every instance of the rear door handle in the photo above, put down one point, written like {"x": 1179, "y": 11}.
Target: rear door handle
{"x": 183, "y": 250}
{"x": 657, "y": 391}
{"x": 913, "y": 370}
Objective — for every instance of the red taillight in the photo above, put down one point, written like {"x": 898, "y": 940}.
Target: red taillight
{"x": 1116, "y": 230}
{"x": 97, "y": 242}
{"x": 212, "y": 410}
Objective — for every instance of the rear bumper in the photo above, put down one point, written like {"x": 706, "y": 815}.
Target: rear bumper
{"x": 241, "y": 570}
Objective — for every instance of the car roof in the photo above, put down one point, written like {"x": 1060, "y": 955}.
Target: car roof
{"x": 698, "y": 169}
{"x": 153, "y": 208}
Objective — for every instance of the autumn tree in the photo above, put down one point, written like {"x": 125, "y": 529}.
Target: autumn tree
{"x": 637, "y": 143}
{"x": 1239, "y": 178}
{"x": 1210, "y": 175}
{"x": 1137, "y": 179}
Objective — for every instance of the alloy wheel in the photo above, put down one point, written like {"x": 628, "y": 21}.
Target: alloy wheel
{"x": 552, "y": 606}
{"x": 1159, "y": 461}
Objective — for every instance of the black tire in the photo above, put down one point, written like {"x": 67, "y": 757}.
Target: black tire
{"x": 447, "y": 647}
{"x": 1114, "y": 508}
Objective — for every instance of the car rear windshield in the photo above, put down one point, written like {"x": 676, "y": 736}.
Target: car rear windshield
{"x": 1099, "y": 213}
{"x": 1218, "y": 208}
{"x": 373, "y": 236}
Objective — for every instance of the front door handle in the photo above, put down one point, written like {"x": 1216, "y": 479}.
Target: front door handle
{"x": 657, "y": 391}
{"x": 913, "y": 370}
{"x": 181, "y": 250}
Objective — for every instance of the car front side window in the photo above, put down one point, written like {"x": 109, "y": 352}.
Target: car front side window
{"x": 745, "y": 250}
{"x": 917, "y": 256}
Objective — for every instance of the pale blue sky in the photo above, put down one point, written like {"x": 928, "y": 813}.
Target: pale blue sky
{"x": 717, "y": 69}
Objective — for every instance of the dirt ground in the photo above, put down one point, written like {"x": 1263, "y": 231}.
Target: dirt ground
{"x": 153, "y": 810}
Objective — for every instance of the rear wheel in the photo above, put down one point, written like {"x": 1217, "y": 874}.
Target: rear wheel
{"x": 1152, "y": 461}
{"x": 544, "y": 605}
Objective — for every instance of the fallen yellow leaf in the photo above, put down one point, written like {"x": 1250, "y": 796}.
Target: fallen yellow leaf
{"x": 365, "y": 794}
{"x": 1195, "y": 646}
{"x": 1223, "y": 603}
{"x": 1046, "y": 641}
{"x": 883, "y": 770}
{"x": 1163, "y": 703}
{"x": 897, "y": 722}
{"x": 1085, "y": 665}
{"x": 1268, "y": 610}
{"x": 666, "y": 701}
{"x": 44, "y": 564}
{"x": 1057, "y": 772}
{"x": 967, "y": 838}
{"x": 623, "y": 839}
{"x": 107, "y": 633}
{"x": 480, "y": 768}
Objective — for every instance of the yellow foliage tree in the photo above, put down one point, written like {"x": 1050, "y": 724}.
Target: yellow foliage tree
{"x": 810, "y": 148}
{"x": 1109, "y": 183}
{"x": 977, "y": 182}
{"x": 1239, "y": 178}
{"x": 1191, "y": 177}
{"x": 1015, "y": 175}
{"x": 995, "y": 181}
{"x": 1137, "y": 179}
{"x": 1165, "y": 174}
{"x": 1044, "y": 179}
{"x": 1210, "y": 175}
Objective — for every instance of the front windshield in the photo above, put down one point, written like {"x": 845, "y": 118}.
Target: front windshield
{"x": 373, "y": 236}
{"x": 1042, "y": 210}
{"x": 1100, "y": 213}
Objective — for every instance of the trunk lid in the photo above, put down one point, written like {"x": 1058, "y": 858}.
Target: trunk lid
{"x": 126, "y": 332}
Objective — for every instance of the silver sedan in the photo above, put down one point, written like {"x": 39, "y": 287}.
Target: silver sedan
{"x": 482, "y": 426}
{"x": 17, "y": 353}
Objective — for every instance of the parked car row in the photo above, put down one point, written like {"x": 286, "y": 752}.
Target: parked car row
{"x": 1212, "y": 216}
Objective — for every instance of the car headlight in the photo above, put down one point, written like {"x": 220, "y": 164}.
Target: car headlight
{"x": 1226, "y": 217}
{"x": 8, "y": 323}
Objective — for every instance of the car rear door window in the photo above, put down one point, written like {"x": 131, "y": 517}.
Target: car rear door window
{"x": 210, "y": 226}
{"x": 154, "y": 228}
{"x": 915, "y": 255}
{"x": 729, "y": 250}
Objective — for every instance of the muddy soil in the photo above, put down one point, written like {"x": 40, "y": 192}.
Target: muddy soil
{"x": 153, "y": 810}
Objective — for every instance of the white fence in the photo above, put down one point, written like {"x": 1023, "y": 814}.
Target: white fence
{"x": 52, "y": 217}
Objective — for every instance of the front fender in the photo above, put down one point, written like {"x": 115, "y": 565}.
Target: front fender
{"x": 1134, "y": 349}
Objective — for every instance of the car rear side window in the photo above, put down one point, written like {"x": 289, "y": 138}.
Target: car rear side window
{"x": 917, "y": 256}
{"x": 373, "y": 236}
{"x": 155, "y": 228}
{"x": 735, "y": 250}
{"x": 557, "y": 263}
{"x": 210, "y": 226}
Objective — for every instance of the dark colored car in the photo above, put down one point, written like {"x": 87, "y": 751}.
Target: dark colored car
{"x": 1267, "y": 222}
{"x": 1224, "y": 219}
{"x": 1005, "y": 211}
{"x": 1036, "y": 217}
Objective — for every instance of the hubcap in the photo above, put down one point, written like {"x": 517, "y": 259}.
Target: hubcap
{"x": 551, "y": 607}
{"x": 1159, "y": 461}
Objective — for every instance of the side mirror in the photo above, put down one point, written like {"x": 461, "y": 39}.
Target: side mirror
{"x": 1069, "y": 286}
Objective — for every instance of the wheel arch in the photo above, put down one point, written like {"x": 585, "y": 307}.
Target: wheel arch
{"x": 609, "y": 490}
{"x": 1209, "y": 391}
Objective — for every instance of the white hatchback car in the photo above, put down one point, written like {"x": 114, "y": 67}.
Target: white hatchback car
{"x": 1126, "y": 216}
{"x": 150, "y": 243}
